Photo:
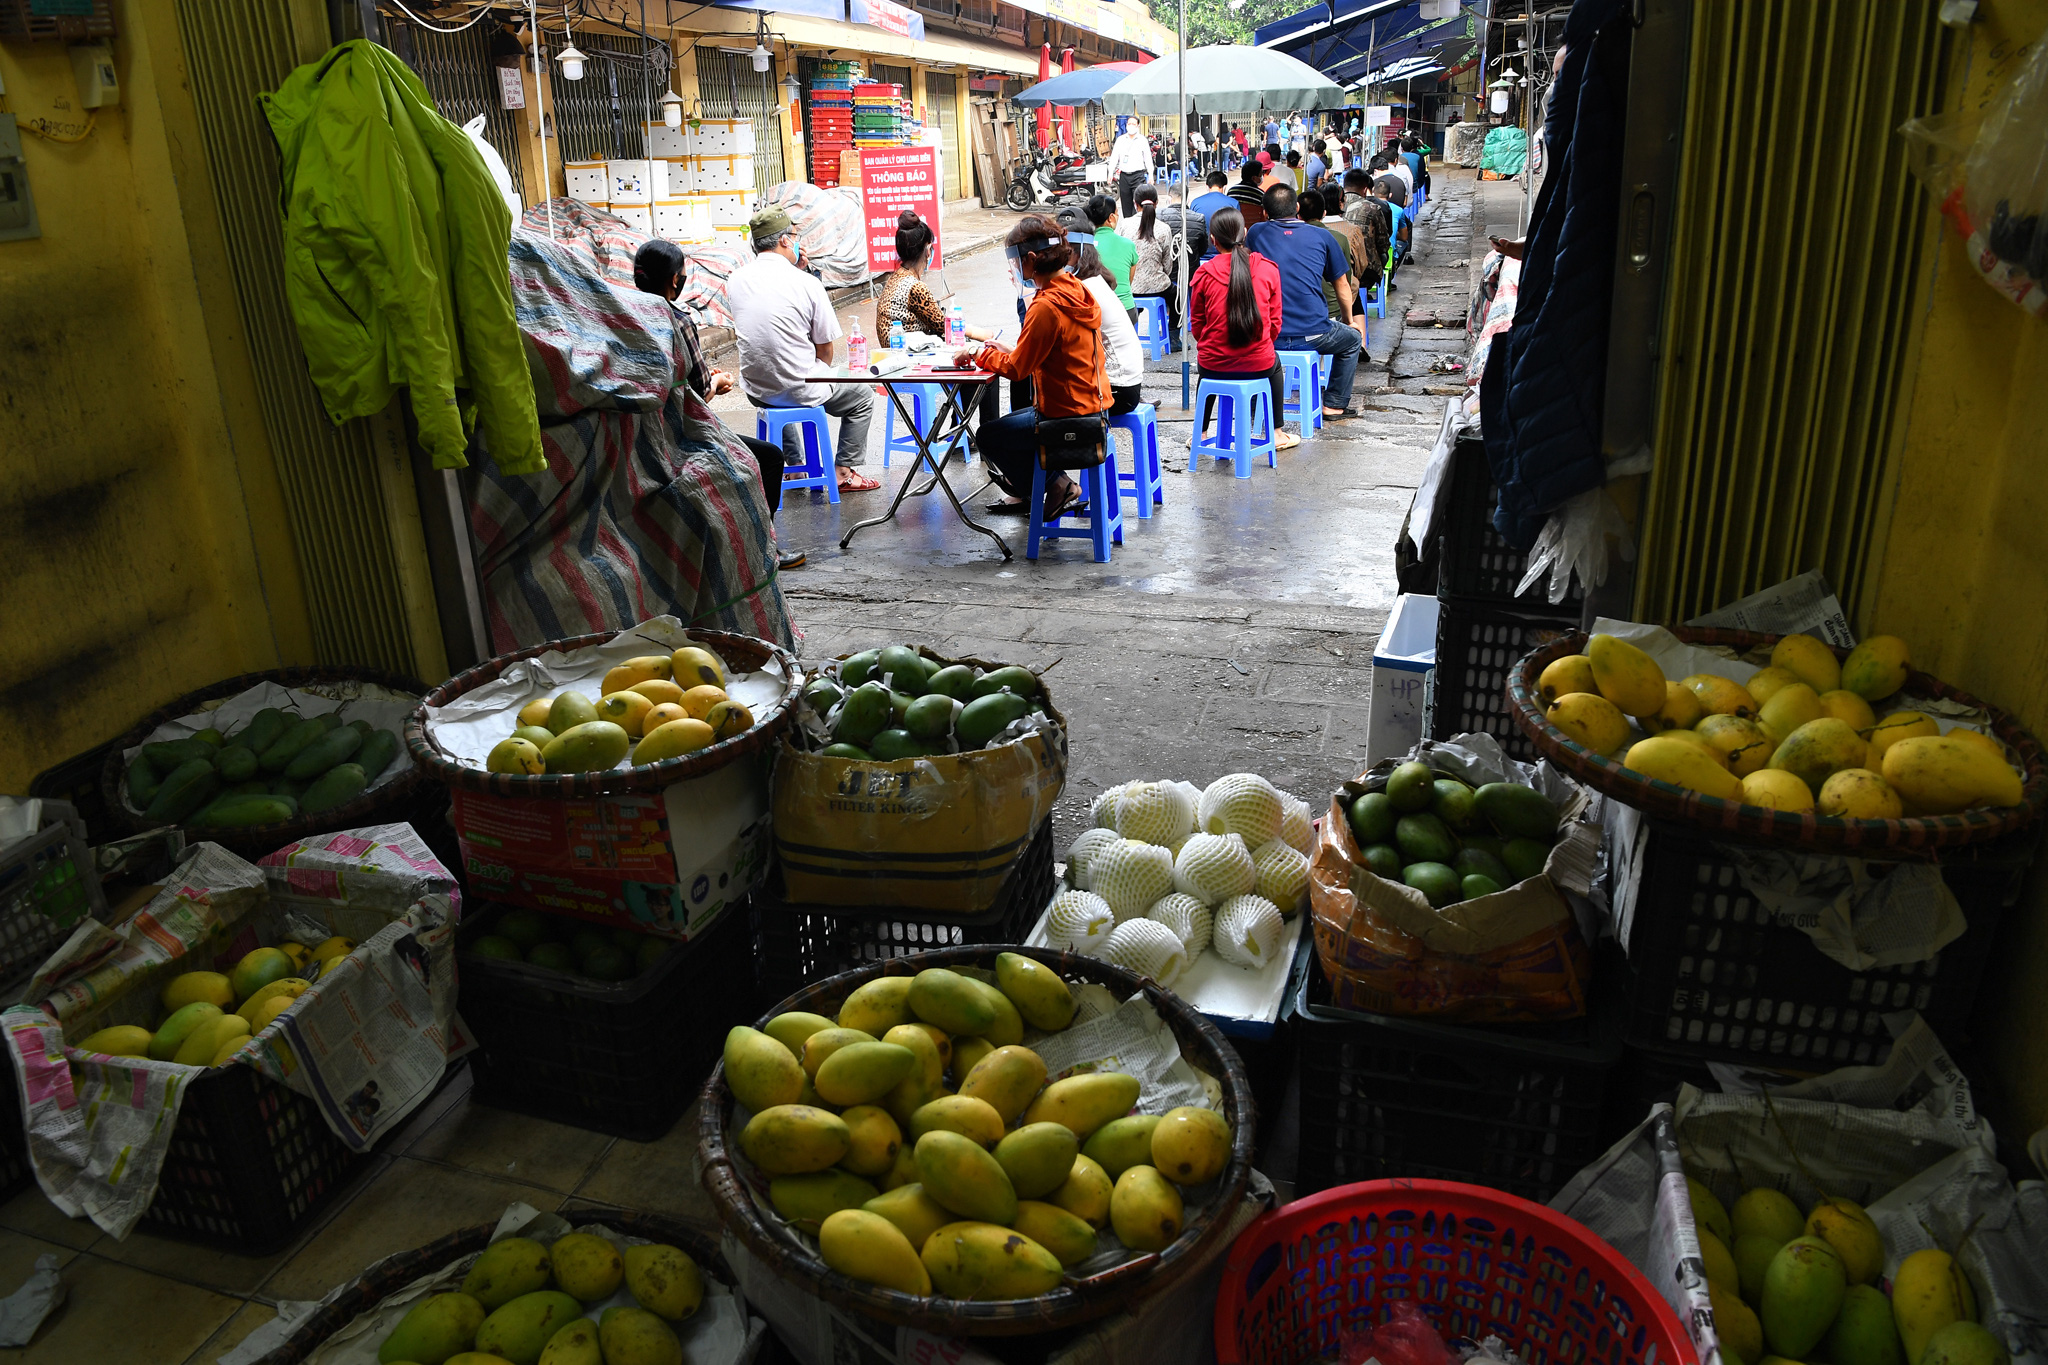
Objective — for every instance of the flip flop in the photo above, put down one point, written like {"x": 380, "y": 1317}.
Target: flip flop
{"x": 853, "y": 482}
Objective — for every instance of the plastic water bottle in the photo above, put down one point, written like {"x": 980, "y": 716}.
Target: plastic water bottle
{"x": 956, "y": 325}
{"x": 895, "y": 336}
{"x": 856, "y": 347}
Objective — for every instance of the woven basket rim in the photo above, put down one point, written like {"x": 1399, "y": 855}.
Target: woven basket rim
{"x": 648, "y": 777}
{"x": 1906, "y": 837}
{"x": 394, "y": 1272}
{"x": 346, "y": 816}
{"x": 1077, "y": 1302}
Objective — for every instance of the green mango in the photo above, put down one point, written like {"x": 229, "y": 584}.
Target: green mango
{"x": 1474, "y": 885}
{"x": 1435, "y": 881}
{"x": 1411, "y": 787}
{"x": 863, "y": 714}
{"x": 890, "y": 745}
{"x": 1516, "y": 812}
{"x": 1424, "y": 839}
{"x": 1010, "y": 678}
{"x": 858, "y": 668}
{"x": 930, "y": 716}
{"x": 1524, "y": 857}
{"x": 954, "y": 680}
{"x": 1453, "y": 804}
{"x": 1372, "y": 818}
{"x": 847, "y": 751}
{"x": 986, "y": 716}
{"x": 1382, "y": 860}
{"x": 903, "y": 668}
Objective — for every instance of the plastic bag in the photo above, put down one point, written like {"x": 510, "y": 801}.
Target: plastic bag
{"x": 1574, "y": 540}
{"x": 1405, "y": 1338}
{"x": 1996, "y": 191}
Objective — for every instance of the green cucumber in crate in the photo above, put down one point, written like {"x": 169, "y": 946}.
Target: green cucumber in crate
{"x": 263, "y": 730}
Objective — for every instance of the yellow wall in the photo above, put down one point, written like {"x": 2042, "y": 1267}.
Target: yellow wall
{"x": 143, "y": 543}
{"x": 1965, "y": 571}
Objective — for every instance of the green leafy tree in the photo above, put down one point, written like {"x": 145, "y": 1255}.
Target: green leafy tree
{"x": 1214, "y": 21}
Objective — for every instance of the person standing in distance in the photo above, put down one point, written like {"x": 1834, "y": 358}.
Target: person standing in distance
{"x": 1130, "y": 161}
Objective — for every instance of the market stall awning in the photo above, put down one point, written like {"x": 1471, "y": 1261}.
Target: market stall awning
{"x": 885, "y": 15}
{"x": 1346, "y": 40}
{"x": 1085, "y": 86}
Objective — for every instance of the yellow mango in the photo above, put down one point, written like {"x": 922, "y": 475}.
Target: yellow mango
{"x": 1844, "y": 705}
{"x": 1007, "y": 1029}
{"x": 299, "y": 953}
{"x": 903, "y": 1172}
{"x": 941, "y": 1041}
{"x": 931, "y": 1063}
{"x": 183, "y": 1022}
{"x": 1058, "y": 1231}
{"x": 1808, "y": 659}
{"x": 1590, "y": 720}
{"x": 202, "y": 1043}
{"x": 1626, "y": 676}
{"x": 861, "y": 1073}
{"x": 228, "y": 1049}
{"x": 876, "y": 1140}
{"x": 213, "y": 988}
{"x": 808, "y": 1200}
{"x": 266, "y": 1013}
{"x": 1084, "y": 1103}
{"x": 1038, "y": 1158}
{"x": 1007, "y": 1079}
{"x": 568, "y": 711}
{"x": 1858, "y": 794}
{"x": 1696, "y": 739}
{"x": 1707, "y": 1209}
{"x": 822, "y": 1044}
{"x": 1790, "y": 707}
{"x": 1874, "y": 670}
{"x": 1681, "y": 710}
{"x": 1765, "y": 683}
{"x": 1719, "y": 1262}
{"x": 435, "y": 1328}
{"x": 974, "y": 1119}
{"x": 627, "y": 710}
{"x": 1965, "y": 735}
{"x": 958, "y": 1173}
{"x": 1682, "y": 765}
{"x": 576, "y": 1343}
{"x": 257, "y": 969}
{"x": 1146, "y": 1209}
{"x": 1736, "y": 1323}
{"x": 664, "y": 1280}
{"x": 729, "y": 718}
{"x": 330, "y": 948}
{"x": 591, "y": 747}
{"x": 916, "y": 1214}
{"x": 634, "y": 1336}
{"x": 1191, "y": 1145}
{"x": 967, "y": 1054}
{"x": 1085, "y": 1192}
{"x": 695, "y": 666}
{"x": 792, "y": 1139}
{"x": 660, "y": 714}
{"x": 1563, "y": 677}
{"x": 1122, "y": 1143}
{"x": 633, "y": 672}
{"x": 1901, "y": 725}
{"x": 951, "y": 1001}
{"x": 1041, "y": 997}
{"x": 877, "y": 1006}
{"x": 587, "y": 1267}
{"x": 1929, "y": 1291}
{"x": 507, "y": 1268}
{"x": 662, "y": 692}
{"x": 1721, "y": 696}
{"x": 1843, "y": 1225}
{"x": 760, "y": 1071}
{"x": 1740, "y": 742}
{"x": 870, "y": 1248}
{"x": 290, "y": 987}
{"x": 673, "y": 739}
{"x": 119, "y": 1040}
{"x": 1818, "y": 750}
{"x": 1777, "y": 790}
{"x": 978, "y": 1260}
{"x": 535, "y": 712}
{"x": 698, "y": 701}
{"x": 1940, "y": 775}
{"x": 792, "y": 1028}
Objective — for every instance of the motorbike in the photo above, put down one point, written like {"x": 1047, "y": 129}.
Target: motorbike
{"x": 1058, "y": 180}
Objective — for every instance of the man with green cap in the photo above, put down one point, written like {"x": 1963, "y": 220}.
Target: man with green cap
{"x": 783, "y": 323}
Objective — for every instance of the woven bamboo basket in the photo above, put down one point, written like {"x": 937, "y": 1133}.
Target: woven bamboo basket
{"x": 393, "y": 1273}
{"x": 1911, "y": 837}
{"x": 1080, "y": 1299}
{"x": 742, "y": 653}
{"x": 390, "y": 801}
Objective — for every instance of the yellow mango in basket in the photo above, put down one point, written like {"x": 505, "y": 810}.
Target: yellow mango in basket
{"x": 877, "y": 1006}
{"x": 1875, "y": 669}
{"x": 627, "y": 710}
{"x": 1191, "y": 1145}
{"x": 1681, "y": 710}
{"x": 931, "y": 1062}
{"x": 1122, "y": 1143}
{"x": 536, "y": 711}
{"x": 1591, "y": 720}
{"x": 1146, "y": 1210}
{"x": 697, "y": 701}
{"x": 1626, "y": 676}
{"x": 1563, "y": 677}
{"x": 862, "y": 1073}
{"x": 1766, "y": 683}
{"x": 119, "y": 1040}
{"x": 673, "y": 739}
{"x": 1721, "y": 696}
{"x": 1777, "y": 790}
{"x": 1006, "y": 1080}
{"x": 916, "y": 1214}
{"x": 664, "y": 1280}
{"x": 973, "y": 1119}
{"x": 1940, "y": 775}
{"x": 633, "y": 672}
{"x": 983, "y": 1261}
{"x": 1813, "y": 662}
{"x": 202, "y": 1043}
{"x": 761, "y": 1072}
{"x": 876, "y": 1140}
{"x": 1038, "y": 1158}
{"x": 694, "y": 667}
{"x": 866, "y": 1246}
{"x": 1858, "y": 794}
{"x": 290, "y": 989}
{"x": 960, "y": 1174}
{"x": 791, "y": 1139}
{"x": 211, "y": 987}
{"x": 1045, "y": 1001}
{"x": 808, "y": 1200}
{"x": 1085, "y": 1192}
{"x": 1818, "y": 750}
{"x": 1847, "y": 706}
{"x": 1084, "y": 1103}
{"x": 1058, "y": 1231}
{"x": 1682, "y": 765}
{"x": 661, "y": 692}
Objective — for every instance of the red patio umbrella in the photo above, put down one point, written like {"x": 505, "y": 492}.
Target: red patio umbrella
{"x": 1065, "y": 112}
{"x": 1044, "y": 73}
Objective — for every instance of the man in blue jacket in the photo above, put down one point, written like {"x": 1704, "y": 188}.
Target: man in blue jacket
{"x": 1307, "y": 255}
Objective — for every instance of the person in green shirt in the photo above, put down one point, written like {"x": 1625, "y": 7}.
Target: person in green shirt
{"x": 1118, "y": 255}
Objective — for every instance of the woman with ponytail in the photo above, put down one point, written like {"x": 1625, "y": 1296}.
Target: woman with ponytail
{"x": 903, "y": 297}
{"x": 1234, "y": 312}
{"x": 1159, "y": 246}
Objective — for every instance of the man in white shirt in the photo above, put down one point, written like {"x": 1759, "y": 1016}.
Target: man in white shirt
{"x": 1130, "y": 161}
{"x": 783, "y": 323}
{"x": 1197, "y": 146}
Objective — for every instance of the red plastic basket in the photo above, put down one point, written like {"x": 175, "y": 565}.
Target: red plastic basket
{"x": 1481, "y": 1263}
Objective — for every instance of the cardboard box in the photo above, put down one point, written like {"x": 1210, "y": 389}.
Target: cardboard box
{"x": 1405, "y": 652}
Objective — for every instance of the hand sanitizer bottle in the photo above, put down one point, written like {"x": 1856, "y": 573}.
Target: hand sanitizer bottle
{"x": 956, "y": 325}
{"x": 856, "y": 347}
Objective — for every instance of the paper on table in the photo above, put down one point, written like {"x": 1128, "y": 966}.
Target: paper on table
{"x": 470, "y": 726}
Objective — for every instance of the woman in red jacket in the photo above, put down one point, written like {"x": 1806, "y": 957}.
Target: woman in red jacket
{"x": 1234, "y": 311}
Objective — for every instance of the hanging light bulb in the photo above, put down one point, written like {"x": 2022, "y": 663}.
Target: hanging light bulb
{"x": 763, "y": 58}
{"x": 572, "y": 63}
{"x": 672, "y": 109}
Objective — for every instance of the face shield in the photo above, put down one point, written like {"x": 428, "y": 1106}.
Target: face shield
{"x": 1020, "y": 278}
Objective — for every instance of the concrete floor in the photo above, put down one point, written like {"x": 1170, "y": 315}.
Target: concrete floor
{"x": 1232, "y": 631}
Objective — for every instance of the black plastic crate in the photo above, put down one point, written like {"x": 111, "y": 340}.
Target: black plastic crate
{"x": 1716, "y": 978}
{"x": 1477, "y": 646}
{"x": 76, "y": 782}
{"x": 1475, "y": 562}
{"x": 249, "y": 1164}
{"x": 800, "y": 944}
{"x": 47, "y": 886}
{"x": 625, "y": 1057}
{"x": 1518, "y": 1107}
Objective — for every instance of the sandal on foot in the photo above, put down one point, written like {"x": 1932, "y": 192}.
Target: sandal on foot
{"x": 852, "y": 481}
{"x": 1285, "y": 440}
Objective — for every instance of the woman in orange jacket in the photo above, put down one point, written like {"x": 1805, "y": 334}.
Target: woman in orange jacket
{"x": 1059, "y": 350}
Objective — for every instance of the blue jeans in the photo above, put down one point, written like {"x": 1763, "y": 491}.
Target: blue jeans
{"x": 1341, "y": 344}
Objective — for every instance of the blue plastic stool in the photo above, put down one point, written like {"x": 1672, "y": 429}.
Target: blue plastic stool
{"x": 1105, "y": 509}
{"x": 1302, "y": 373}
{"x": 1325, "y": 367}
{"x": 1144, "y": 482}
{"x": 816, "y": 471}
{"x": 925, "y": 402}
{"x": 1156, "y": 334}
{"x": 1238, "y": 402}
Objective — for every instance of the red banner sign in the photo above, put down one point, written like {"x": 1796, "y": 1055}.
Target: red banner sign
{"x": 893, "y": 179}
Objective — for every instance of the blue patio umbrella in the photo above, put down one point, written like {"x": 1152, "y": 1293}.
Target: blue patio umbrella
{"x": 1075, "y": 87}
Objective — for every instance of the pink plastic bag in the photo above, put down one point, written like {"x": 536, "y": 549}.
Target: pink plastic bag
{"x": 1405, "y": 1338}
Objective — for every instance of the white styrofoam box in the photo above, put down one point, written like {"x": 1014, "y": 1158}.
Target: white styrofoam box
{"x": 730, "y": 208}
{"x": 637, "y": 182}
{"x": 588, "y": 181}
{"x": 666, "y": 142}
{"x": 1405, "y": 652}
{"x": 639, "y": 217}
{"x": 723, "y": 137}
{"x": 725, "y": 172}
{"x": 686, "y": 219}
{"x": 682, "y": 176}
{"x": 729, "y": 234}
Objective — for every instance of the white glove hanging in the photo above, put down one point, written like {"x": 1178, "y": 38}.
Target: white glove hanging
{"x": 1574, "y": 540}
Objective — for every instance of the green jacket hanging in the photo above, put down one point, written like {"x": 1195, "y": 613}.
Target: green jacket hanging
{"x": 394, "y": 247}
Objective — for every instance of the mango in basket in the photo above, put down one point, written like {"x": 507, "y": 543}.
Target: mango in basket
{"x": 1877, "y": 668}
{"x": 633, "y": 672}
{"x": 876, "y": 1140}
{"x": 575, "y": 1344}
{"x": 119, "y": 1040}
{"x": 627, "y": 710}
{"x": 877, "y": 1006}
{"x": 1006, "y": 1080}
{"x": 1037, "y": 991}
{"x": 213, "y": 988}
{"x": 519, "y": 1329}
{"x": 634, "y": 1336}
{"x": 661, "y": 692}
{"x": 330, "y": 948}
{"x": 931, "y": 1053}
{"x": 590, "y": 747}
{"x": 792, "y": 1028}
{"x": 1058, "y": 1231}
{"x": 903, "y": 1172}
{"x": 1843, "y": 1225}
{"x": 760, "y": 1071}
{"x": 505, "y": 1269}
{"x": 951, "y": 1001}
{"x": 1722, "y": 696}
{"x": 536, "y": 712}
{"x": 1191, "y": 1146}
{"x": 1039, "y": 1159}
{"x": 673, "y": 739}
{"x": 729, "y": 718}
{"x": 825, "y": 1042}
{"x": 1145, "y": 1209}
{"x": 568, "y": 711}
{"x": 1941, "y": 775}
{"x": 808, "y": 1200}
{"x": 1008, "y": 1028}
{"x": 865, "y": 1246}
{"x": 171, "y": 1034}
{"x": 1803, "y": 1291}
{"x": 1084, "y": 1103}
{"x": 791, "y": 1139}
{"x": 664, "y": 1280}
{"x": 436, "y": 1328}
{"x": 982, "y": 1261}
{"x": 1813, "y": 662}
{"x": 862, "y": 1073}
{"x": 1626, "y": 676}
{"x": 587, "y": 1267}
{"x": 1122, "y": 1143}
{"x": 960, "y": 1174}
{"x": 971, "y": 1118}
{"x": 967, "y": 1054}
{"x": 696, "y": 667}
{"x": 202, "y": 1043}
{"x": 916, "y": 1214}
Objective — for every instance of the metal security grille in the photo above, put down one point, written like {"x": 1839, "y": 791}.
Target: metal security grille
{"x": 729, "y": 87}
{"x": 939, "y": 105}
{"x": 456, "y": 68}
{"x": 1785, "y": 335}
{"x": 600, "y": 117}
